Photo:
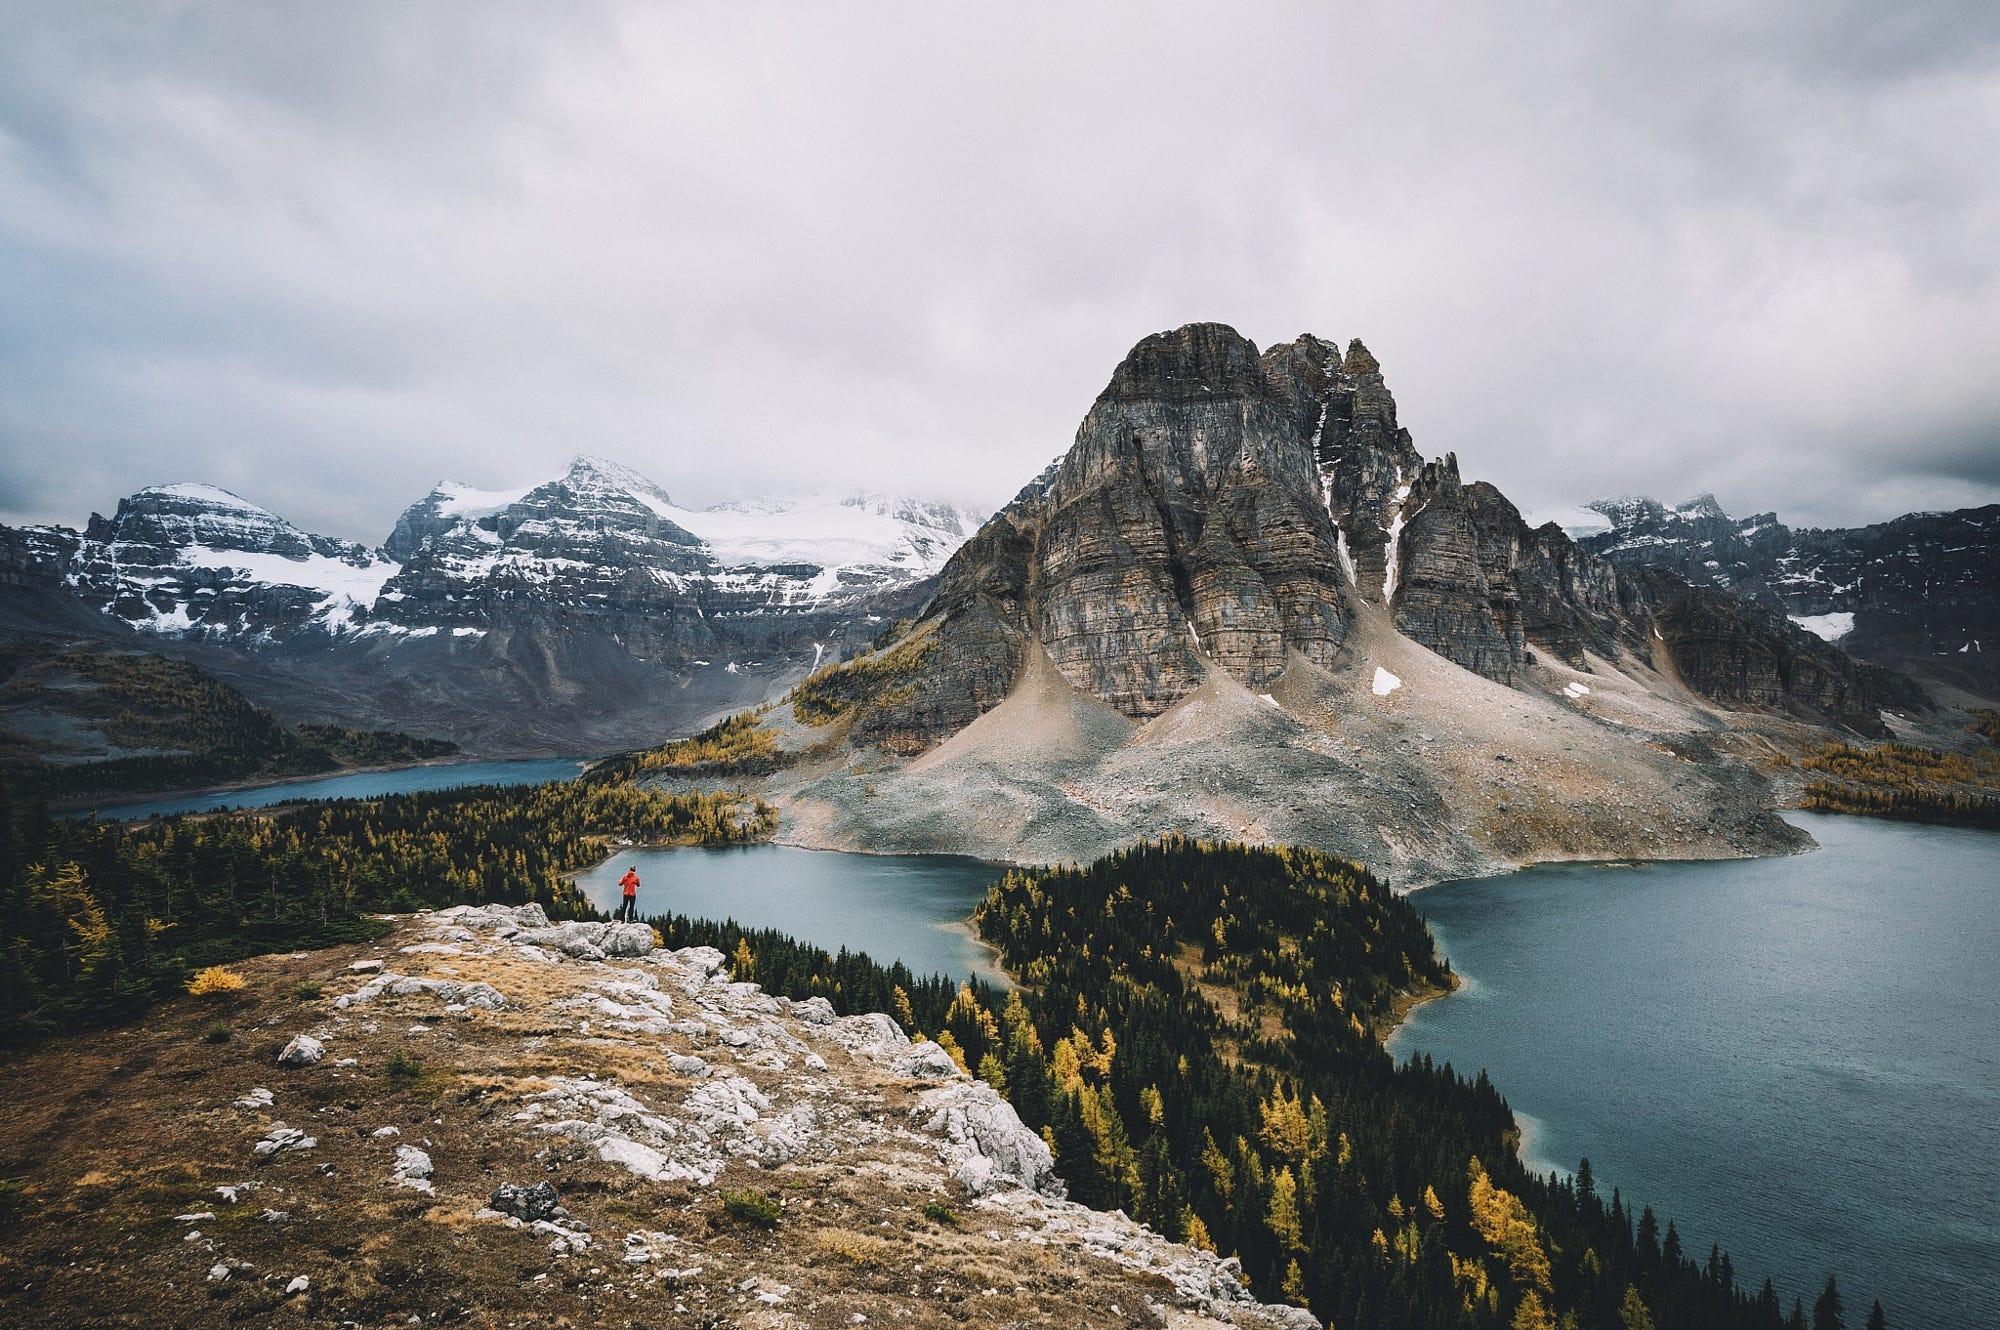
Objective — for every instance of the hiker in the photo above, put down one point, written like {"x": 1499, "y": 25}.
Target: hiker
{"x": 628, "y": 911}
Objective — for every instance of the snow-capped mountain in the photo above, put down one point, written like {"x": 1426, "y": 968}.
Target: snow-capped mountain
{"x": 196, "y": 559}
{"x": 579, "y": 537}
{"x": 1916, "y": 591}
{"x": 586, "y": 611}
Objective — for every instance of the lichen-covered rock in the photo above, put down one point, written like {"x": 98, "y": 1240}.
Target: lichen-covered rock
{"x": 281, "y": 1138}
{"x": 302, "y": 1051}
{"x": 814, "y": 1011}
{"x": 990, "y": 1146}
{"x": 477, "y": 994}
{"x": 502, "y": 920}
{"x": 873, "y": 1033}
{"x": 528, "y": 1203}
{"x": 925, "y": 1061}
{"x": 628, "y": 939}
{"x": 413, "y": 1169}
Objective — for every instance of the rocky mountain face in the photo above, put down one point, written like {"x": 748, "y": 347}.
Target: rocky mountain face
{"x": 1916, "y": 593}
{"x": 586, "y": 612}
{"x": 1244, "y": 606}
{"x": 1225, "y": 510}
{"x": 1746, "y": 657}
{"x": 194, "y": 559}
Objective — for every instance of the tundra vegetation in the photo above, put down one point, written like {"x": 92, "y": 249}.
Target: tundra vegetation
{"x": 736, "y": 747}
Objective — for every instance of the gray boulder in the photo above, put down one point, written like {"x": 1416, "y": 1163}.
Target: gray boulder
{"x": 990, "y": 1147}
{"x": 528, "y": 1203}
{"x": 303, "y": 1051}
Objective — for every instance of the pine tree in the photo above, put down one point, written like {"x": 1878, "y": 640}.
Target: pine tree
{"x": 1282, "y": 1214}
{"x": 1294, "y": 1284}
{"x": 1876, "y": 1320}
{"x": 1532, "y": 1314}
{"x": 1632, "y": 1313}
{"x": 1827, "y": 1310}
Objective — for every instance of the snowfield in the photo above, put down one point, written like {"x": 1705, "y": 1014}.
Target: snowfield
{"x": 344, "y": 586}
{"x": 1829, "y": 627}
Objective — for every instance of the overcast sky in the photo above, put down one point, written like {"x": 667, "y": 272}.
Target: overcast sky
{"x": 325, "y": 254}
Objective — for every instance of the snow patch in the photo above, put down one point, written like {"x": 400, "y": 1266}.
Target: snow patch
{"x": 452, "y": 499}
{"x": 344, "y": 587}
{"x": 1385, "y": 682}
{"x": 1346, "y": 559}
{"x": 1827, "y": 627}
{"x": 1392, "y": 548}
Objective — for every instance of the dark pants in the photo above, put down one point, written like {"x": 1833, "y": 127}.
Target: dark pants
{"x": 628, "y": 911}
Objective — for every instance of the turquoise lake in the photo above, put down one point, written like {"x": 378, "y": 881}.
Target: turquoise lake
{"x": 351, "y": 785}
{"x": 1793, "y": 1057}
{"x": 905, "y": 907}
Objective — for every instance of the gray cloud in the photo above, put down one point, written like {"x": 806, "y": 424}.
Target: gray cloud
{"x": 325, "y": 255}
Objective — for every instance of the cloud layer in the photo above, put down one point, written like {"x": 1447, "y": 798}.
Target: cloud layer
{"x": 325, "y": 255}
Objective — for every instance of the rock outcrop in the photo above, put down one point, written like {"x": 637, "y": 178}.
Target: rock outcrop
{"x": 567, "y": 1155}
{"x": 1745, "y": 656}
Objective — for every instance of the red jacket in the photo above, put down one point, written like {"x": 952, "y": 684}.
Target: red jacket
{"x": 630, "y": 882}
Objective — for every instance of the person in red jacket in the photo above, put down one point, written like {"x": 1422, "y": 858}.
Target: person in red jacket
{"x": 628, "y": 911}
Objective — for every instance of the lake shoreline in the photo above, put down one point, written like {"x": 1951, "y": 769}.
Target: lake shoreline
{"x": 113, "y": 808}
{"x": 113, "y": 800}
{"x": 1407, "y": 1000}
{"x": 1643, "y": 1021}
{"x": 998, "y": 974}
{"x": 915, "y": 909}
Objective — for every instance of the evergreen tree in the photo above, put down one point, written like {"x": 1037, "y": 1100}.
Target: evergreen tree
{"x": 1827, "y": 1310}
{"x": 1632, "y": 1313}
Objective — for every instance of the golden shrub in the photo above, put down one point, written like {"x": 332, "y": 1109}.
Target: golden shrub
{"x": 215, "y": 980}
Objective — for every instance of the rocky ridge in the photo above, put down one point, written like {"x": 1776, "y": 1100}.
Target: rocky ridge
{"x": 572, "y": 1106}
{"x": 584, "y": 613}
{"x": 1917, "y": 592}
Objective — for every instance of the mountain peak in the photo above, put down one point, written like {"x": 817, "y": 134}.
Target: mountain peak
{"x": 203, "y": 495}
{"x": 589, "y": 475}
{"x": 1701, "y": 505}
{"x": 1193, "y": 360}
